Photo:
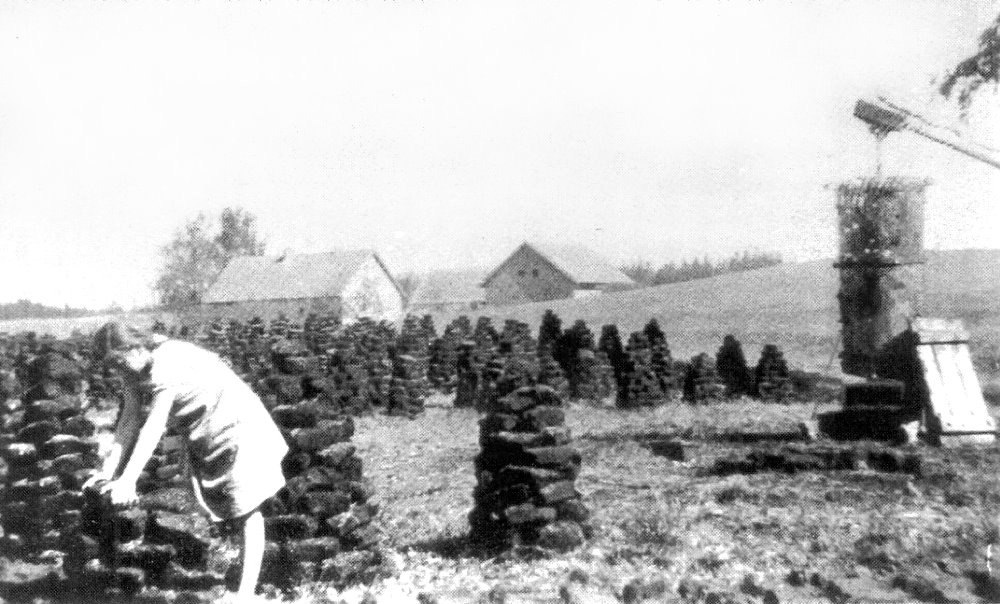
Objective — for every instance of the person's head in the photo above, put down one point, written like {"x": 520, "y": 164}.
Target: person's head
{"x": 124, "y": 346}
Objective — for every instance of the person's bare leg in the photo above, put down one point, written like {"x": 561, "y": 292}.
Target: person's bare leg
{"x": 251, "y": 554}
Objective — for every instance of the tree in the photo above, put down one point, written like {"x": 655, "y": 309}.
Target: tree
{"x": 972, "y": 72}
{"x": 199, "y": 251}
{"x": 640, "y": 271}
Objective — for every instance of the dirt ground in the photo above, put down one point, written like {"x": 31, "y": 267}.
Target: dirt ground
{"x": 839, "y": 536}
{"x": 679, "y": 531}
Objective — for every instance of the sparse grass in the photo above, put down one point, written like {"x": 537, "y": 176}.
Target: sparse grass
{"x": 656, "y": 517}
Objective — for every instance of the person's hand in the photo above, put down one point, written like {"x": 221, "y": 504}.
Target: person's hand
{"x": 94, "y": 483}
{"x": 121, "y": 492}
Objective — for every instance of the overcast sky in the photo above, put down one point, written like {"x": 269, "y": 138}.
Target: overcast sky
{"x": 442, "y": 134}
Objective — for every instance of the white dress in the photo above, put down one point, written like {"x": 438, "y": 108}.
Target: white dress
{"x": 234, "y": 448}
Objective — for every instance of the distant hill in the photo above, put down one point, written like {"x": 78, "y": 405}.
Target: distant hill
{"x": 792, "y": 304}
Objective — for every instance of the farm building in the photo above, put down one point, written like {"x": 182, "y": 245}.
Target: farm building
{"x": 537, "y": 272}
{"x": 449, "y": 291}
{"x": 350, "y": 283}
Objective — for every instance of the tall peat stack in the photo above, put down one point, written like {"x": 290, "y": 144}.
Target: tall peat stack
{"x": 320, "y": 523}
{"x": 525, "y": 473}
{"x": 881, "y": 266}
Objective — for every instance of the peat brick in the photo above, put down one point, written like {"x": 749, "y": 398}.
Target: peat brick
{"x": 128, "y": 525}
{"x": 324, "y": 504}
{"x": 539, "y": 418}
{"x": 560, "y": 536}
{"x": 553, "y": 456}
{"x": 20, "y": 454}
{"x": 537, "y": 478}
{"x": 63, "y": 501}
{"x": 62, "y": 444}
{"x": 572, "y": 509}
{"x": 558, "y": 491}
{"x": 364, "y": 537}
{"x": 79, "y": 426}
{"x": 294, "y": 416}
{"x": 549, "y": 437}
{"x": 315, "y": 549}
{"x": 69, "y": 463}
{"x": 326, "y": 433}
{"x": 188, "y": 534}
{"x": 175, "y": 576}
{"x": 290, "y": 526}
{"x": 95, "y": 577}
{"x": 38, "y": 432}
{"x": 153, "y": 559}
{"x": 345, "y": 523}
{"x": 336, "y": 454}
{"x": 130, "y": 580}
{"x": 498, "y": 422}
{"x": 527, "y": 513}
{"x": 348, "y": 568}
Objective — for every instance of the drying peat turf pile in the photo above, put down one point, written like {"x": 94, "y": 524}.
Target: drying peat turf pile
{"x": 771, "y": 376}
{"x": 410, "y": 361}
{"x": 795, "y": 457}
{"x": 444, "y": 352}
{"x": 642, "y": 385}
{"x": 475, "y": 359}
{"x": 525, "y": 473}
{"x": 703, "y": 382}
{"x": 47, "y": 456}
{"x": 320, "y": 522}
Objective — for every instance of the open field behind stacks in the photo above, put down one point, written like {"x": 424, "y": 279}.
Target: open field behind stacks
{"x": 814, "y": 535}
{"x": 793, "y": 305}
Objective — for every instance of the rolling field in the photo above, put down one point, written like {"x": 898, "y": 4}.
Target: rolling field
{"x": 792, "y": 305}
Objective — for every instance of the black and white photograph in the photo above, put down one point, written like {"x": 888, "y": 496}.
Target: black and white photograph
{"x": 447, "y": 302}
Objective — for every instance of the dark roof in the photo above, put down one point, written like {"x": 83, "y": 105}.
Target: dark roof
{"x": 449, "y": 287}
{"x": 289, "y": 276}
{"x": 578, "y": 263}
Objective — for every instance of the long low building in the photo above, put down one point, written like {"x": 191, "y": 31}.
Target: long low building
{"x": 348, "y": 283}
{"x": 537, "y": 272}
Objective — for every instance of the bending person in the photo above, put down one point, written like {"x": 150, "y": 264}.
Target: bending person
{"x": 234, "y": 448}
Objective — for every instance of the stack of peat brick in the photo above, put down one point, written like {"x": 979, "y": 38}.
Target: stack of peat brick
{"x": 551, "y": 372}
{"x": 444, "y": 352}
{"x": 771, "y": 378}
{"x": 409, "y": 370}
{"x": 703, "y": 382}
{"x": 593, "y": 380}
{"x": 165, "y": 467}
{"x": 517, "y": 361}
{"x": 320, "y": 525}
{"x": 642, "y": 384}
{"x": 525, "y": 473}
{"x": 670, "y": 373}
{"x": 47, "y": 455}
{"x": 283, "y": 383}
{"x": 590, "y": 375}
{"x": 477, "y": 365}
{"x": 372, "y": 344}
{"x": 154, "y": 552}
{"x": 348, "y": 378}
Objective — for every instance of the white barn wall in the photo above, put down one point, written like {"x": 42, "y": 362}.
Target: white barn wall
{"x": 371, "y": 293}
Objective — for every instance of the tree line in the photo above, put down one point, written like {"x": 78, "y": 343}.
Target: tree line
{"x": 643, "y": 273}
{"x": 26, "y": 309}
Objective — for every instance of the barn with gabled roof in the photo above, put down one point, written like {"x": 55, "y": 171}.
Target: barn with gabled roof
{"x": 349, "y": 283}
{"x": 537, "y": 272}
